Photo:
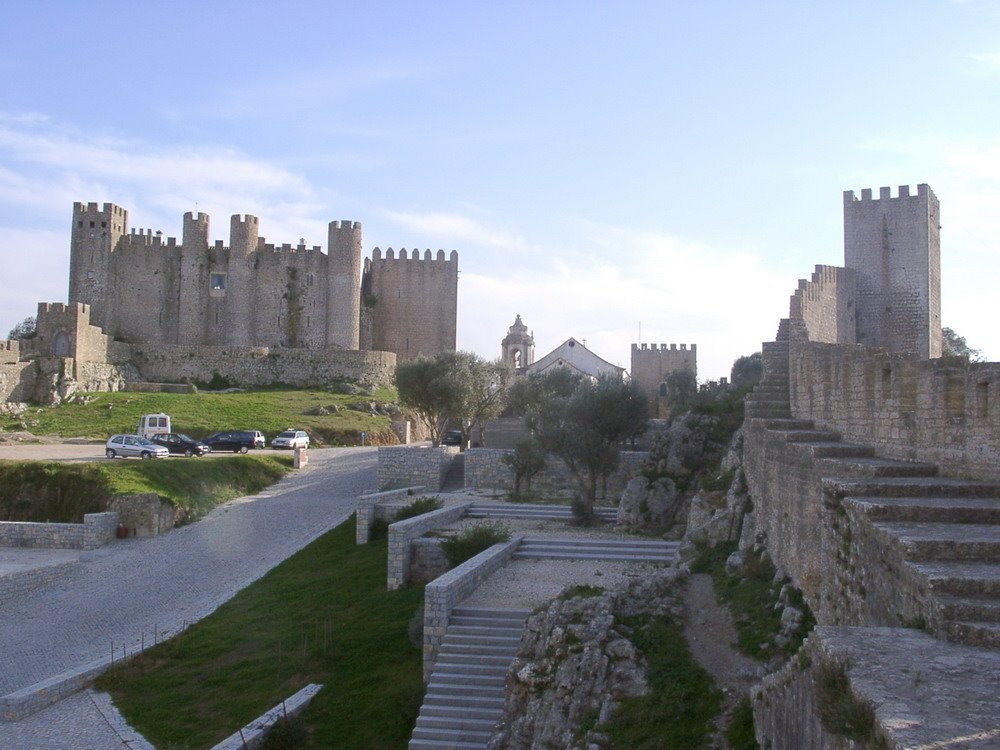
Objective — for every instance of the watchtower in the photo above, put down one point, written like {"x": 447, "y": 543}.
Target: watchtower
{"x": 894, "y": 246}
{"x": 94, "y": 237}
{"x": 343, "y": 307}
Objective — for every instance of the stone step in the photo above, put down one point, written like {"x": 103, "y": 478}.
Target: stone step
{"x": 838, "y": 449}
{"x": 477, "y": 659}
{"x": 477, "y": 702}
{"x": 960, "y": 577}
{"x": 452, "y": 736}
{"x": 945, "y": 541}
{"x": 461, "y": 648}
{"x": 500, "y": 641}
{"x": 460, "y": 712}
{"x": 975, "y": 510}
{"x": 502, "y": 630}
{"x": 494, "y": 614}
{"x": 416, "y": 744}
{"x": 442, "y": 676}
{"x": 463, "y": 620}
{"x": 608, "y": 556}
{"x": 865, "y": 466}
{"x": 841, "y": 487}
{"x": 752, "y": 413}
{"x": 790, "y": 424}
{"x": 464, "y": 690}
{"x": 643, "y": 544}
{"x": 976, "y": 609}
{"x": 809, "y": 436}
{"x": 447, "y": 664}
{"x": 985, "y": 634}
{"x": 452, "y": 722}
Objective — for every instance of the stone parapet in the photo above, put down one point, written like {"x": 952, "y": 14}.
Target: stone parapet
{"x": 96, "y": 530}
{"x": 444, "y": 593}
{"x": 413, "y": 465}
{"x": 369, "y": 506}
{"x": 403, "y": 533}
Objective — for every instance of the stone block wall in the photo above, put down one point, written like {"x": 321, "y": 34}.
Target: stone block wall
{"x": 96, "y": 530}
{"x": 403, "y": 533}
{"x": 443, "y": 594}
{"x": 826, "y": 305}
{"x": 427, "y": 560}
{"x": 260, "y": 366}
{"x": 10, "y": 351}
{"x": 14, "y": 584}
{"x": 17, "y": 381}
{"x": 484, "y": 469}
{"x": 369, "y": 506}
{"x": 144, "y": 515}
{"x": 413, "y": 465}
{"x": 942, "y": 411}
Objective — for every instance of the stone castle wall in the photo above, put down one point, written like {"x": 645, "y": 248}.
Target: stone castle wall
{"x": 652, "y": 363}
{"x": 943, "y": 411}
{"x": 17, "y": 381}
{"x": 826, "y": 305}
{"x": 261, "y": 366}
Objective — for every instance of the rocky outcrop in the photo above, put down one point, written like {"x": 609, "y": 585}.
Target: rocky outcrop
{"x": 575, "y": 663}
{"x": 649, "y": 504}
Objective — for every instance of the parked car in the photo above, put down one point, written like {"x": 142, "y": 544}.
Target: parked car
{"x": 133, "y": 445}
{"x": 153, "y": 424}
{"x": 237, "y": 441}
{"x": 452, "y": 437}
{"x": 258, "y": 439}
{"x": 180, "y": 444}
{"x": 291, "y": 439}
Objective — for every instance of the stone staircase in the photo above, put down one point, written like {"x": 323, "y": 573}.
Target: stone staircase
{"x": 454, "y": 478}
{"x": 465, "y": 693}
{"x": 540, "y": 512}
{"x": 619, "y": 550}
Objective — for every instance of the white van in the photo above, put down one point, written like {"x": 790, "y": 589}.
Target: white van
{"x": 153, "y": 424}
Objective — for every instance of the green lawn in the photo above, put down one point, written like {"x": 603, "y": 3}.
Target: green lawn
{"x": 200, "y": 414}
{"x": 59, "y": 492}
{"x": 321, "y": 616}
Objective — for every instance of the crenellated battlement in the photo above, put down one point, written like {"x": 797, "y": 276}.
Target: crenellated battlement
{"x": 414, "y": 255}
{"x": 354, "y": 226}
{"x": 885, "y": 194}
{"x": 200, "y": 218}
{"x": 61, "y": 308}
{"x": 659, "y": 348}
{"x": 82, "y": 209}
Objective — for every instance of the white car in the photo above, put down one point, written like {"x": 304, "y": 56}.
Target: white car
{"x": 133, "y": 445}
{"x": 291, "y": 439}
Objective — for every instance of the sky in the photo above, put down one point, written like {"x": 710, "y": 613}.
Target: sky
{"x": 622, "y": 172}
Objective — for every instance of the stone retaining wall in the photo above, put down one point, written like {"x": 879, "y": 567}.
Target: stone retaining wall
{"x": 403, "y": 533}
{"x": 400, "y": 465}
{"x": 253, "y": 735}
{"x": 427, "y": 560}
{"x": 485, "y": 469}
{"x": 443, "y": 594}
{"x": 96, "y": 530}
{"x": 145, "y": 514}
{"x": 370, "y": 507}
{"x": 13, "y": 584}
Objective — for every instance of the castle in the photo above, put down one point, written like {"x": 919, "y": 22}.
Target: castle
{"x": 145, "y": 307}
{"x": 142, "y": 288}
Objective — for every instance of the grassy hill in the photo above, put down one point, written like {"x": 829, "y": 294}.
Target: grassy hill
{"x": 326, "y": 416}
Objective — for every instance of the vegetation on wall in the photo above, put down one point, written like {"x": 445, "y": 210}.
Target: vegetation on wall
{"x": 473, "y": 540}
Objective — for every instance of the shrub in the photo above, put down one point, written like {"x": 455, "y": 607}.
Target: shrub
{"x": 474, "y": 540}
{"x": 378, "y": 529}
{"x": 418, "y": 508}
{"x": 739, "y": 732}
{"x": 840, "y": 711}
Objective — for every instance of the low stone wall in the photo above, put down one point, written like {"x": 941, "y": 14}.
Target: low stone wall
{"x": 96, "y": 530}
{"x": 140, "y": 387}
{"x": 400, "y": 465}
{"x": 943, "y": 411}
{"x": 144, "y": 515}
{"x": 485, "y": 469}
{"x": 369, "y": 508}
{"x": 14, "y": 584}
{"x": 403, "y": 533}
{"x": 253, "y": 735}
{"x": 260, "y": 366}
{"x": 443, "y": 594}
{"x": 427, "y": 560}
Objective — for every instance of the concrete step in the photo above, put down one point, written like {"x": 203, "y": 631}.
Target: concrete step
{"x": 841, "y": 487}
{"x": 477, "y": 702}
{"x": 443, "y": 676}
{"x": 985, "y": 634}
{"x": 526, "y": 510}
{"x": 480, "y": 660}
{"x": 504, "y": 631}
{"x": 466, "y": 648}
{"x": 945, "y": 541}
{"x": 610, "y": 556}
{"x": 458, "y": 639}
{"x": 494, "y": 614}
{"x": 864, "y": 466}
{"x": 462, "y": 620}
{"x": 975, "y": 510}
{"x": 578, "y": 543}
{"x": 417, "y": 744}
{"x": 451, "y": 736}
{"x": 960, "y": 577}
{"x": 448, "y": 664}
{"x": 452, "y": 722}
{"x": 459, "y": 712}
{"x": 464, "y": 690}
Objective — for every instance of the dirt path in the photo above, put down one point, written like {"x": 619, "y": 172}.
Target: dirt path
{"x": 711, "y": 636}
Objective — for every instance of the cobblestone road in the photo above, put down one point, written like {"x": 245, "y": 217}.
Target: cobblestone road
{"x": 123, "y": 593}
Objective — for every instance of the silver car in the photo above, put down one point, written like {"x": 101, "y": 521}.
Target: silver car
{"x": 291, "y": 439}
{"x": 133, "y": 445}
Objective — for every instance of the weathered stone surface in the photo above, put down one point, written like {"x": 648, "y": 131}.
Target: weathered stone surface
{"x": 574, "y": 663}
{"x": 646, "y": 504}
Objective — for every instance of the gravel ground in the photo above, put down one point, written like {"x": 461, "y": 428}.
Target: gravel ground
{"x": 119, "y": 594}
{"x": 531, "y": 584}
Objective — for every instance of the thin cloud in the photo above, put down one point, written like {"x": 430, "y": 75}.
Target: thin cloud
{"x": 455, "y": 228}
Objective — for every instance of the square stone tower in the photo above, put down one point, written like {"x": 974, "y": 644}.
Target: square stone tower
{"x": 894, "y": 246}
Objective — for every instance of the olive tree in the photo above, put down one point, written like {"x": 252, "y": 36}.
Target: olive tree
{"x": 23, "y": 330}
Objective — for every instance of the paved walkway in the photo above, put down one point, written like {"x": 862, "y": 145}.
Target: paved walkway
{"x": 131, "y": 588}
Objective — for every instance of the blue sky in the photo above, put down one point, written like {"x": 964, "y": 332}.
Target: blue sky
{"x": 598, "y": 166}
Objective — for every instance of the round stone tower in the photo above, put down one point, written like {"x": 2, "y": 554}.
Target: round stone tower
{"x": 344, "y": 285}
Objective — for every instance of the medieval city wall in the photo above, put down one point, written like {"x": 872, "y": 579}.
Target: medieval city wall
{"x": 412, "y": 301}
{"x": 943, "y": 411}
{"x": 17, "y": 381}
{"x": 826, "y": 305}
{"x": 261, "y": 366}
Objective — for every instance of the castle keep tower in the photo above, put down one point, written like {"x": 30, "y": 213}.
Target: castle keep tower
{"x": 894, "y": 246}
{"x": 238, "y": 282}
{"x": 193, "y": 310}
{"x": 94, "y": 237}
{"x": 518, "y": 347}
{"x": 652, "y": 363}
{"x": 344, "y": 280}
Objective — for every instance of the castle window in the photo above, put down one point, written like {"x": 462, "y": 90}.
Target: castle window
{"x": 91, "y": 225}
{"x": 218, "y": 282}
{"x": 104, "y": 224}
{"x": 80, "y": 223}
{"x": 309, "y": 280}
